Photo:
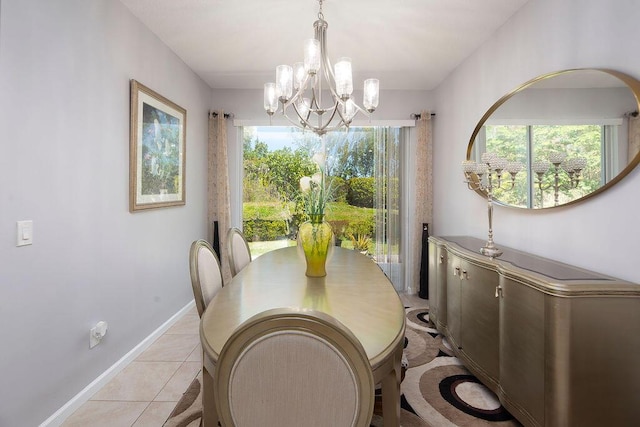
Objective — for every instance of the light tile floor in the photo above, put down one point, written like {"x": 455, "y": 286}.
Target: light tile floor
{"x": 145, "y": 392}
{"x": 413, "y": 300}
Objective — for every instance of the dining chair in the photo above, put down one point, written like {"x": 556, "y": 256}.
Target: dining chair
{"x": 289, "y": 368}
{"x": 206, "y": 276}
{"x": 239, "y": 252}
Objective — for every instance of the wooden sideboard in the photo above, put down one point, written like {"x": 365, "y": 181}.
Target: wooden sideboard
{"x": 559, "y": 345}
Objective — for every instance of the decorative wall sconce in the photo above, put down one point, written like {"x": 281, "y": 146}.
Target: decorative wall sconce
{"x": 488, "y": 176}
{"x": 573, "y": 167}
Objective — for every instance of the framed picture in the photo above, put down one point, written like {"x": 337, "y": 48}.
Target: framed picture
{"x": 157, "y": 150}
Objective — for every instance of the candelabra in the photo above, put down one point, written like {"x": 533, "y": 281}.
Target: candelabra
{"x": 573, "y": 167}
{"x": 487, "y": 176}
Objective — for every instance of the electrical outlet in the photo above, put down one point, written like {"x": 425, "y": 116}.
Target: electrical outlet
{"x": 97, "y": 333}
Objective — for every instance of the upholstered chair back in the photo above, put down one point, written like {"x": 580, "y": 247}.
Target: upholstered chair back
{"x": 239, "y": 252}
{"x": 286, "y": 368}
{"x": 206, "y": 276}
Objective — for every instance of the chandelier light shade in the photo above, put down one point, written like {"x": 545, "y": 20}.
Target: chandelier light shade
{"x": 344, "y": 80}
{"x": 371, "y": 94}
{"x": 284, "y": 82}
{"x": 298, "y": 89}
{"x": 270, "y": 98}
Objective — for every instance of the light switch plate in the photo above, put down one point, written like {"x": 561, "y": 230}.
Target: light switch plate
{"x": 25, "y": 233}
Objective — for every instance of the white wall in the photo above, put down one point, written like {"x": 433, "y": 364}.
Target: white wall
{"x": 601, "y": 233}
{"x": 64, "y": 118}
{"x": 394, "y": 105}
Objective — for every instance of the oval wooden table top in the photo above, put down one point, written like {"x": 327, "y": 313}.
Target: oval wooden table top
{"x": 355, "y": 291}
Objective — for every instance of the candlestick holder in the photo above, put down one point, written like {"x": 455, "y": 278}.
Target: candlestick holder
{"x": 487, "y": 176}
{"x": 573, "y": 168}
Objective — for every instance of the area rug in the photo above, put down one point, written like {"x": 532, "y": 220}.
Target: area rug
{"x": 437, "y": 390}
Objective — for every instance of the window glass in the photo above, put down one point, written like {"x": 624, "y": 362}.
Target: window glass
{"x": 534, "y": 143}
{"x": 363, "y": 165}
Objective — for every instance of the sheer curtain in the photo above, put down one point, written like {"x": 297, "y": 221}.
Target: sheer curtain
{"x": 218, "y": 185}
{"x": 423, "y": 212}
{"x": 634, "y": 136}
{"x": 387, "y": 166}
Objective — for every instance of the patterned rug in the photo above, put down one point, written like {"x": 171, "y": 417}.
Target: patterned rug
{"x": 437, "y": 390}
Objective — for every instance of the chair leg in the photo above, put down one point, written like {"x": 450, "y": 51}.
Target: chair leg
{"x": 209, "y": 413}
{"x": 391, "y": 392}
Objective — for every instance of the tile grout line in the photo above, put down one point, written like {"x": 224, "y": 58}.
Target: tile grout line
{"x": 181, "y": 364}
{"x": 141, "y": 413}
{"x": 173, "y": 375}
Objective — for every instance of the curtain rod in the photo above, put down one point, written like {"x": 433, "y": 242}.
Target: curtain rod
{"x": 417, "y": 116}
{"x": 414, "y": 116}
{"x": 226, "y": 115}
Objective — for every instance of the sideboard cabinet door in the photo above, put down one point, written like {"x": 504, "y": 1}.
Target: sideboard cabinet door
{"x": 472, "y": 316}
{"x": 438, "y": 285}
{"x": 452, "y": 329}
{"x": 433, "y": 283}
{"x": 522, "y": 350}
{"x": 479, "y": 322}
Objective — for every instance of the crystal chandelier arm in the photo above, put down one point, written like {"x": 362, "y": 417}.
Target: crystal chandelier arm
{"x": 304, "y": 117}
{"x": 299, "y": 93}
{"x": 321, "y": 35}
{"x": 361, "y": 110}
{"x": 329, "y": 74}
{"x": 315, "y": 102}
{"x": 293, "y": 122}
{"x": 315, "y": 108}
{"x": 342, "y": 112}
{"x": 321, "y": 128}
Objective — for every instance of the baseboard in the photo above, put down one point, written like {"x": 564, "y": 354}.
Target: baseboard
{"x": 79, "y": 399}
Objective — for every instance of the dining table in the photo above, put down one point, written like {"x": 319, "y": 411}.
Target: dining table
{"x": 355, "y": 291}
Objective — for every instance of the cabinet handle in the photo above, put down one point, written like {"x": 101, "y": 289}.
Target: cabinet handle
{"x": 441, "y": 259}
{"x": 456, "y": 271}
{"x": 464, "y": 274}
{"x": 499, "y": 291}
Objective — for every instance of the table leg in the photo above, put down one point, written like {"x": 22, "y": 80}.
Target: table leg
{"x": 209, "y": 413}
{"x": 391, "y": 393}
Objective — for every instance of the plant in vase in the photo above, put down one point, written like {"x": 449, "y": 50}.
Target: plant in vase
{"x": 315, "y": 236}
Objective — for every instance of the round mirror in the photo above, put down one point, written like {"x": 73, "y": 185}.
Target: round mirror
{"x": 558, "y": 139}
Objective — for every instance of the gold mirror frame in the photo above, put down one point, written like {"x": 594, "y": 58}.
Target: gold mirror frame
{"x": 632, "y": 83}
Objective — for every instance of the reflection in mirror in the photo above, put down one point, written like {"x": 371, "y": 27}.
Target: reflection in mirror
{"x": 576, "y": 132}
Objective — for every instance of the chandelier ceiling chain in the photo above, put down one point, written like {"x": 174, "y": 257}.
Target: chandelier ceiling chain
{"x": 305, "y": 78}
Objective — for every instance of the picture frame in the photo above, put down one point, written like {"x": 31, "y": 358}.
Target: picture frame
{"x": 157, "y": 156}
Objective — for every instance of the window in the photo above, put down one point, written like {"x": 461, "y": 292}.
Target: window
{"x": 530, "y": 143}
{"x": 364, "y": 166}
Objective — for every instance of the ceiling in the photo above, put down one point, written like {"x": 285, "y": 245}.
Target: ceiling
{"x": 407, "y": 44}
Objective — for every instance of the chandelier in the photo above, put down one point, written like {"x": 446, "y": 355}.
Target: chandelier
{"x": 298, "y": 89}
